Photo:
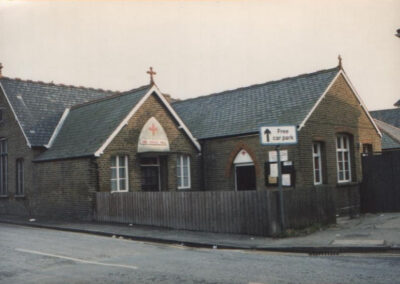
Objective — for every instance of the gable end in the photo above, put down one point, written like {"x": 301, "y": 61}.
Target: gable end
{"x": 153, "y": 90}
{"x": 347, "y": 80}
{"x": 15, "y": 115}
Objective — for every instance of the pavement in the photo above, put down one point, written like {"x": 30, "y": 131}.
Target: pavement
{"x": 365, "y": 233}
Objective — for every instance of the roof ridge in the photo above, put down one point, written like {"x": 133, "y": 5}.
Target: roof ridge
{"x": 260, "y": 84}
{"x": 388, "y": 125}
{"x": 60, "y": 85}
{"x": 110, "y": 97}
{"x": 385, "y": 109}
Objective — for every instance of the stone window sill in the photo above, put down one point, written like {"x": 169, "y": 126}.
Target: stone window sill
{"x": 321, "y": 185}
{"x": 4, "y": 196}
{"x": 19, "y": 196}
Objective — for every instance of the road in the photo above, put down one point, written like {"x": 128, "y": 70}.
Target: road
{"x": 34, "y": 255}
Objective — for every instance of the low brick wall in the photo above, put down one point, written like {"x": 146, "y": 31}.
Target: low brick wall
{"x": 304, "y": 207}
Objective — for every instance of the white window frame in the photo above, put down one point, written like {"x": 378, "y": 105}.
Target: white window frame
{"x": 179, "y": 172}
{"x": 319, "y": 157}
{"x": 20, "y": 185}
{"x": 343, "y": 150}
{"x": 117, "y": 178}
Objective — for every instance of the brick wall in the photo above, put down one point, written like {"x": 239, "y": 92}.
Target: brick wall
{"x": 219, "y": 172}
{"x": 17, "y": 148}
{"x": 126, "y": 143}
{"x": 338, "y": 112}
{"x": 64, "y": 189}
{"x": 57, "y": 189}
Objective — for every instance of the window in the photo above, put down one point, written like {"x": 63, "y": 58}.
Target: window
{"x": 183, "y": 171}
{"x": 367, "y": 149}
{"x": 119, "y": 173}
{"x": 317, "y": 162}
{"x": 20, "y": 178}
{"x": 343, "y": 158}
{"x": 3, "y": 167}
{"x": 1, "y": 114}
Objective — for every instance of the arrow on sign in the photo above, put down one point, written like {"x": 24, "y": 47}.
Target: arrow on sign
{"x": 267, "y": 132}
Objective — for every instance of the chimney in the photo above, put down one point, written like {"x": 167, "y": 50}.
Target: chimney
{"x": 169, "y": 98}
{"x": 1, "y": 67}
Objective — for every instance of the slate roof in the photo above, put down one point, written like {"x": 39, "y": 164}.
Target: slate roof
{"x": 390, "y": 135}
{"x": 388, "y": 142}
{"x": 390, "y": 116}
{"x": 39, "y": 106}
{"x": 88, "y": 126}
{"x": 242, "y": 111}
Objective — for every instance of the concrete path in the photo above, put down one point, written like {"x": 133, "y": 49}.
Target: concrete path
{"x": 367, "y": 233}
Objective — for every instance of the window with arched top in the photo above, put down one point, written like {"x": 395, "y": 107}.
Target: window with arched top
{"x": 245, "y": 173}
{"x": 317, "y": 155}
{"x": 343, "y": 157}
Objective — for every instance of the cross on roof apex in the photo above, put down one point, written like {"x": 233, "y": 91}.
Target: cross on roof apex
{"x": 151, "y": 73}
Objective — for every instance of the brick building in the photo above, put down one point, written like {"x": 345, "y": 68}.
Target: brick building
{"x": 61, "y": 144}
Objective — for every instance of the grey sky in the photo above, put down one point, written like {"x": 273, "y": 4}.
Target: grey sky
{"x": 199, "y": 48}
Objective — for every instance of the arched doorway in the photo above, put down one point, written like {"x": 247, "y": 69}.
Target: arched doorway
{"x": 153, "y": 149}
{"x": 245, "y": 172}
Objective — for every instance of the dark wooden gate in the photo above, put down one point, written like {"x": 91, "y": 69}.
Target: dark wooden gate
{"x": 380, "y": 188}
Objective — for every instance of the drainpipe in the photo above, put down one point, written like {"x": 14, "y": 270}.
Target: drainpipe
{"x": 202, "y": 166}
{"x": 97, "y": 186}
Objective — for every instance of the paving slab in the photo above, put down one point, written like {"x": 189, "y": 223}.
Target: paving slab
{"x": 355, "y": 242}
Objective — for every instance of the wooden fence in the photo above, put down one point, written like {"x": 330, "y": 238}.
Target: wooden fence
{"x": 246, "y": 212}
{"x": 380, "y": 188}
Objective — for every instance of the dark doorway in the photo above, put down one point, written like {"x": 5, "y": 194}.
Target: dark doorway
{"x": 245, "y": 177}
{"x": 150, "y": 170}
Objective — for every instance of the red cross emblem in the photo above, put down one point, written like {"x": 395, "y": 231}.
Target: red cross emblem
{"x": 153, "y": 129}
{"x": 243, "y": 153}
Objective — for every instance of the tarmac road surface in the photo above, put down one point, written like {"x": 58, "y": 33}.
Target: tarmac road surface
{"x": 34, "y": 255}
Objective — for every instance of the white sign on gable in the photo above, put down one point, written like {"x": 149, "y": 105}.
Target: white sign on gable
{"x": 153, "y": 137}
{"x": 242, "y": 157}
{"x": 278, "y": 135}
